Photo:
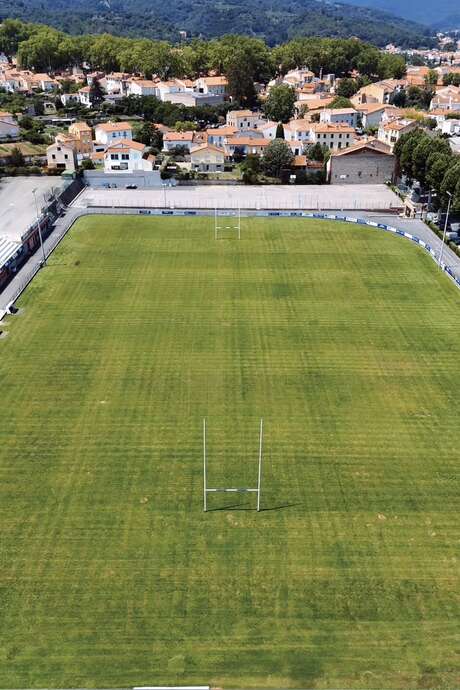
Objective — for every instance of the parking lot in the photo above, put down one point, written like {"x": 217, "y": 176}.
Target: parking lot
{"x": 17, "y": 205}
{"x": 278, "y": 197}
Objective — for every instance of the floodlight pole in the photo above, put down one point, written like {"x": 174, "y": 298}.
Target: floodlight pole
{"x": 239, "y": 222}
{"x": 445, "y": 229}
{"x": 34, "y": 192}
{"x": 261, "y": 434}
{"x": 215, "y": 223}
{"x": 204, "y": 467}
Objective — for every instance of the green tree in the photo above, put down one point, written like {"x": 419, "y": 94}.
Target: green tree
{"x": 437, "y": 165}
{"x": 277, "y": 157}
{"x": 431, "y": 79}
{"x": 341, "y": 102}
{"x": 450, "y": 181}
{"x": 279, "y": 134}
{"x": 391, "y": 66}
{"x": 404, "y": 150}
{"x": 315, "y": 152}
{"x": 185, "y": 126}
{"x": 17, "y": 159}
{"x": 419, "y": 159}
{"x": 240, "y": 80}
{"x": 87, "y": 164}
{"x": 96, "y": 93}
{"x": 12, "y": 33}
{"x": 280, "y": 103}
{"x": 105, "y": 52}
{"x": 250, "y": 168}
{"x": 347, "y": 87}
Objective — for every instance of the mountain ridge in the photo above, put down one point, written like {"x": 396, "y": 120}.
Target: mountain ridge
{"x": 267, "y": 19}
{"x": 442, "y": 14}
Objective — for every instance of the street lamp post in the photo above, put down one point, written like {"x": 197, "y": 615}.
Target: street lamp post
{"x": 445, "y": 230}
{"x": 34, "y": 192}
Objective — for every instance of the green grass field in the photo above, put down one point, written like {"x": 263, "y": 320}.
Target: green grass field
{"x": 347, "y": 341}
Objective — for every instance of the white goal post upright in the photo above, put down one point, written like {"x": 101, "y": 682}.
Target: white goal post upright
{"x": 234, "y": 214}
{"x": 205, "y": 492}
{"x": 243, "y": 490}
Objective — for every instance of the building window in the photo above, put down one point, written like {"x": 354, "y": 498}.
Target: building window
{"x": 114, "y": 156}
{"x": 125, "y": 156}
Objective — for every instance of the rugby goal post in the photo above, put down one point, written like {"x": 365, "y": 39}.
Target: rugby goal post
{"x": 226, "y": 218}
{"x": 229, "y": 490}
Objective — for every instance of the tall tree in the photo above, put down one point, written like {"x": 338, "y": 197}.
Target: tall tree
{"x": 240, "y": 80}
{"x": 277, "y": 156}
{"x": 280, "y": 103}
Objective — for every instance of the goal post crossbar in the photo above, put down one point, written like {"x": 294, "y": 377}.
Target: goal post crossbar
{"x": 224, "y": 214}
{"x": 227, "y": 490}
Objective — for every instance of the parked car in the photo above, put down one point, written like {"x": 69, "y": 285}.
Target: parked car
{"x": 131, "y": 186}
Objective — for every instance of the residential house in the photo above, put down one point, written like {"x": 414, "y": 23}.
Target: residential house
{"x": 216, "y": 86}
{"x": 9, "y": 128}
{"x": 43, "y": 82}
{"x": 417, "y": 75}
{"x": 172, "y": 140}
{"x": 372, "y": 114}
{"x": 302, "y": 163}
{"x": 297, "y": 134}
{"x": 451, "y": 127}
{"x": 84, "y": 96}
{"x": 378, "y": 92}
{"x": 168, "y": 88}
{"x": 344, "y": 116}
{"x": 312, "y": 91}
{"x": 142, "y": 87}
{"x": 127, "y": 156}
{"x": 69, "y": 99}
{"x": 98, "y": 76}
{"x": 447, "y": 98}
{"x": 245, "y": 146}
{"x": 13, "y": 81}
{"x": 331, "y": 135}
{"x": 366, "y": 162}
{"x": 207, "y": 158}
{"x": 268, "y": 129}
{"x": 219, "y": 135}
{"x": 298, "y": 77}
{"x": 439, "y": 115}
{"x": 61, "y": 156}
{"x": 390, "y": 132}
{"x": 305, "y": 108}
{"x": 111, "y": 132}
{"x": 244, "y": 119}
{"x": 117, "y": 82}
{"x": 82, "y": 134}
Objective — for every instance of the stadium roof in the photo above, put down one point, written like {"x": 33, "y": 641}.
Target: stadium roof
{"x": 8, "y": 249}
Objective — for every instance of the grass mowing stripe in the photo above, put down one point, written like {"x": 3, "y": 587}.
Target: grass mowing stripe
{"x": 345, "y": 340}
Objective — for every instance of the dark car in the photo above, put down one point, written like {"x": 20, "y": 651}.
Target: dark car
{"x": 131, "y": 186}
